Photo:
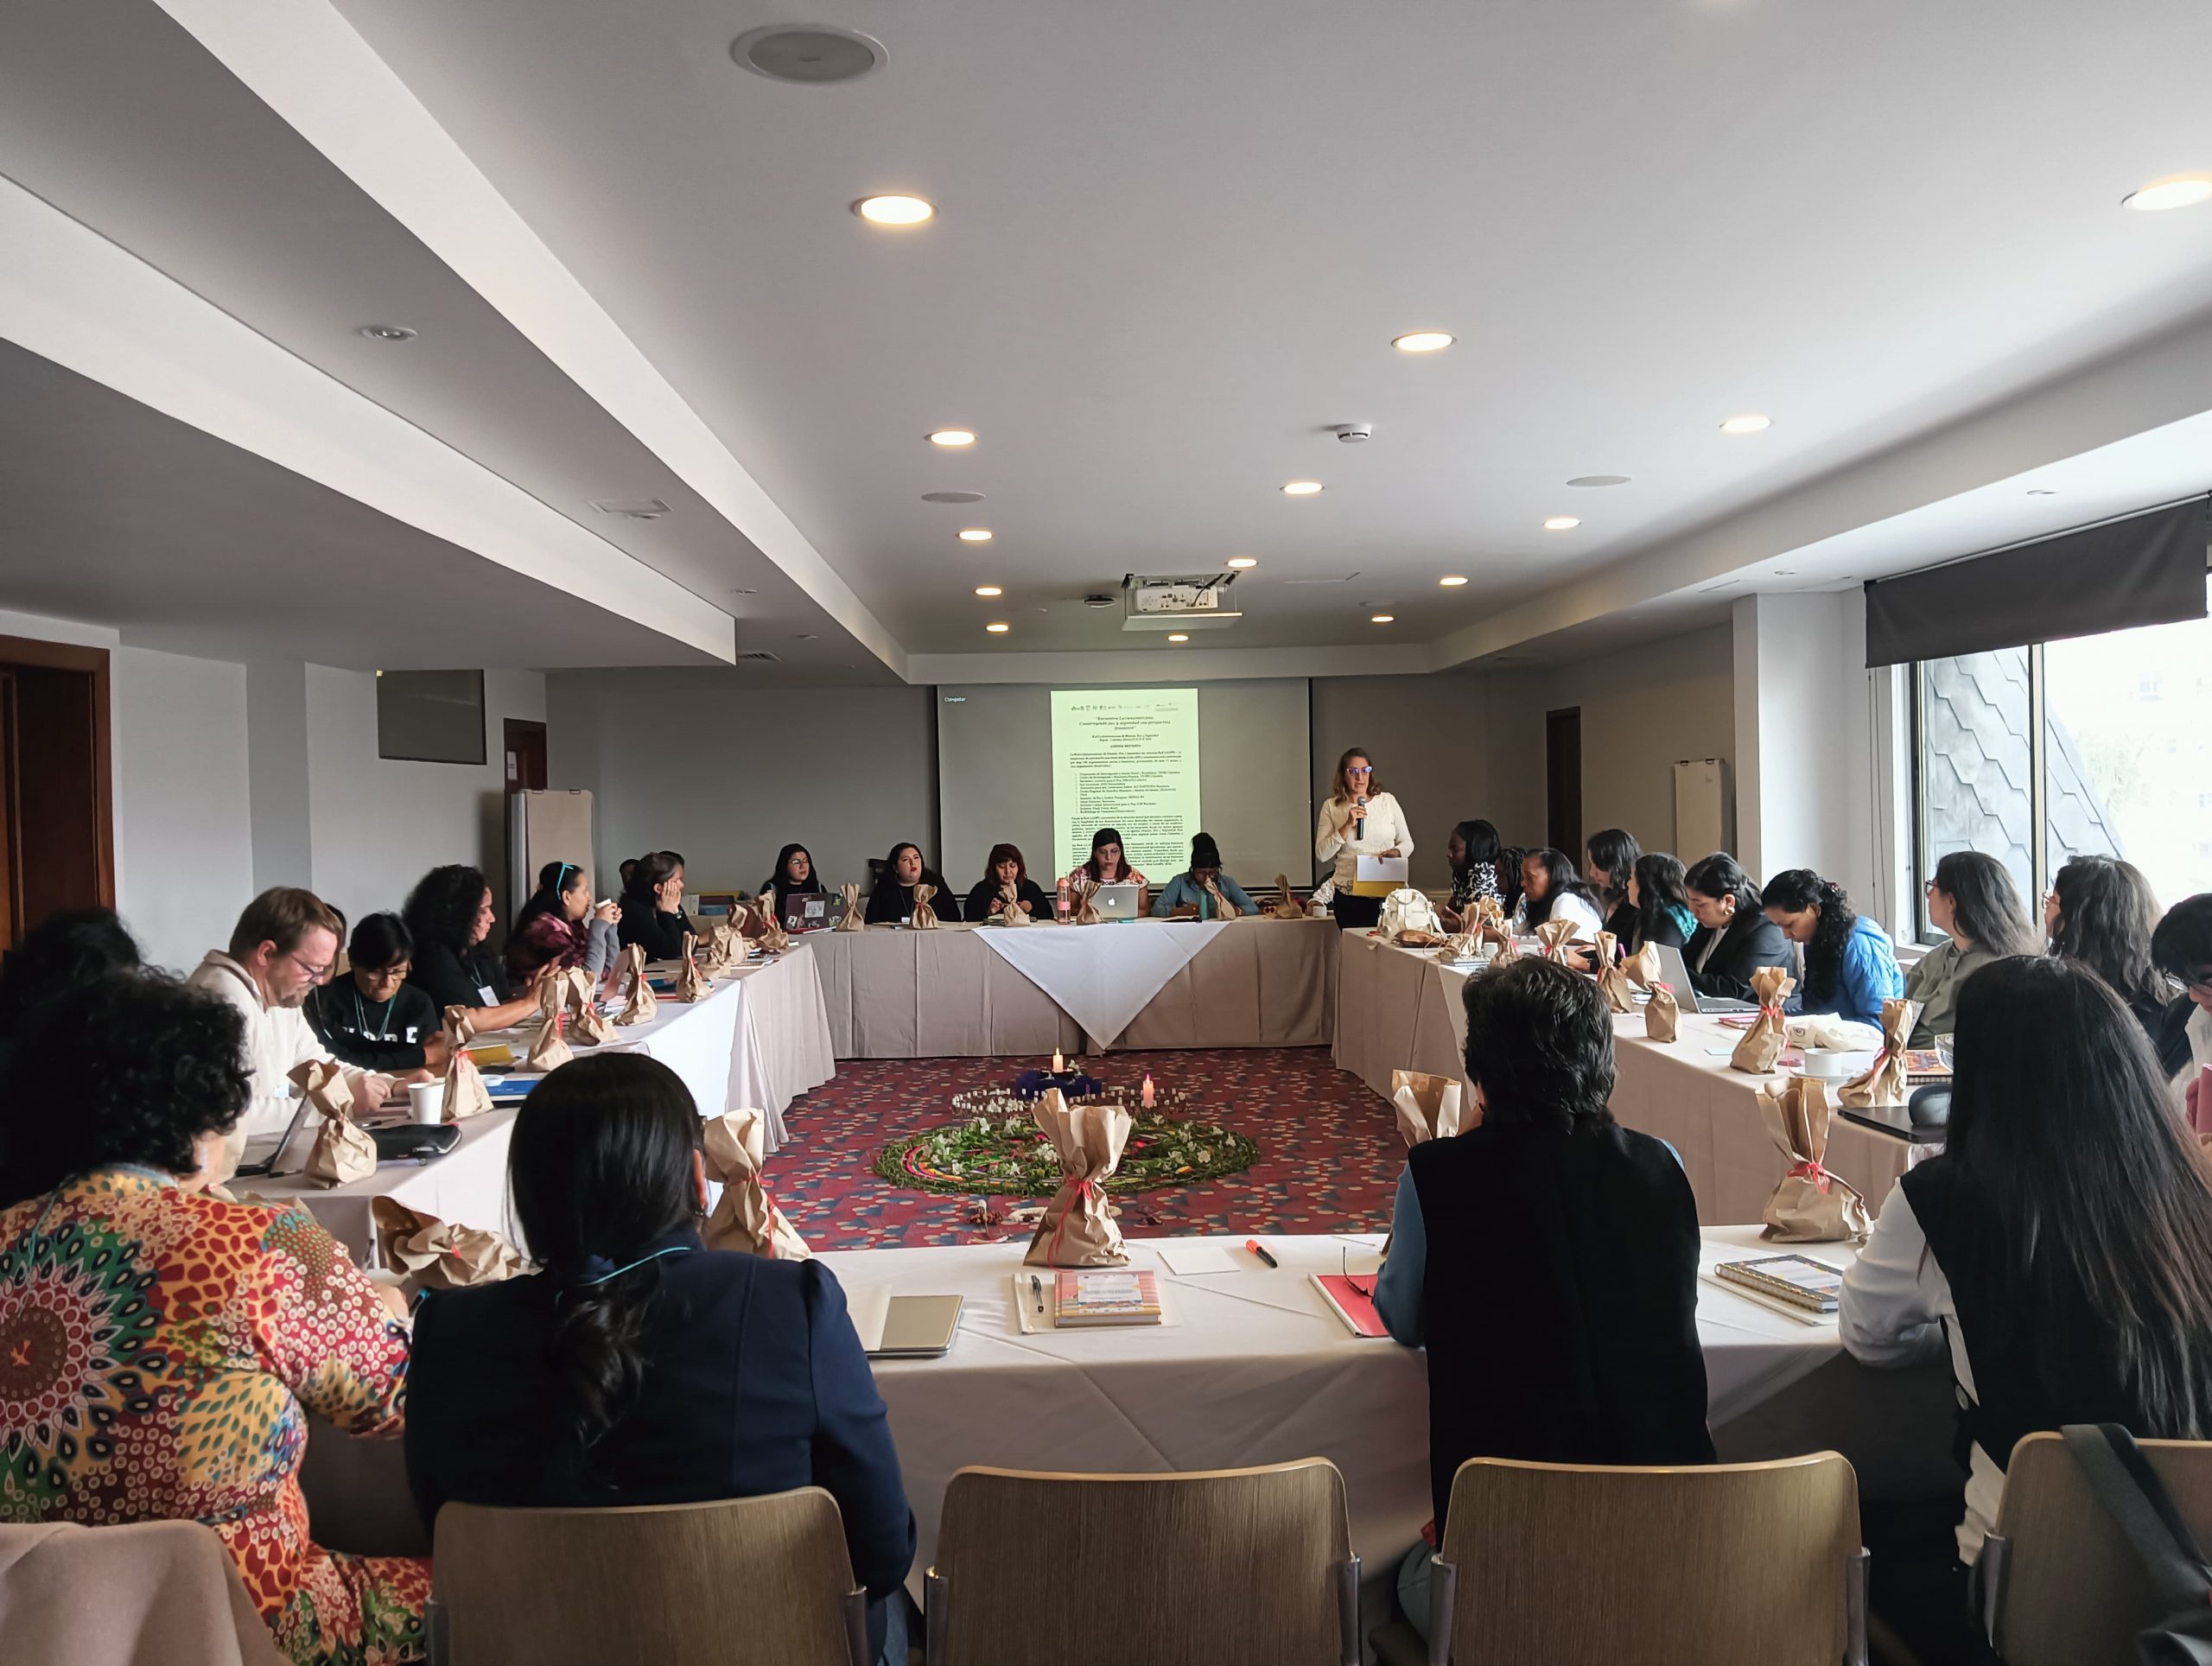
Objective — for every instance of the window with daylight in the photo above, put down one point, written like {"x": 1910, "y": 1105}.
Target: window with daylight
{"x": 2097, "y": 744}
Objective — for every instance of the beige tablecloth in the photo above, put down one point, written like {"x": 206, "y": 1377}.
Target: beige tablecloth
{"x": 894, "y": 994}
{"x": 1399, "y": 1009}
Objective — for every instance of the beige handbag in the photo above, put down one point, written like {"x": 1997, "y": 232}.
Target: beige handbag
{"x": 641, "y": 1005}
{"x": 1077, "y": 1227}
{"x": 1661, "y": 1012}
{"x": 1763, "y": 1043}
{"x": 465, "y": 1094}
{"x": 734, "y": 1147}
{"x": 924, "y": 919}
{"x": 1612, "y": 981}
{"x": 1428, "y": 1107}
{"x": 435, "y": 1254}
{"x": 855, "y": 918}
{"x": 343, "y": 1151}
{"x": 1885, "y": 1081}
{"x": 1810, "y": 1205}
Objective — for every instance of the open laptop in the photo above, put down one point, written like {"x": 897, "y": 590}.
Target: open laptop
{"x": 266, "y": 1169}
{"x": 807, "y": 911}
{"x": 1116, "y": 902}
{"x": 903, "y": 1328}
{"x": 1674, "y": 972}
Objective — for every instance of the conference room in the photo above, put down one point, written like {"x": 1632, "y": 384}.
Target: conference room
{"x": 1394, "y": 820}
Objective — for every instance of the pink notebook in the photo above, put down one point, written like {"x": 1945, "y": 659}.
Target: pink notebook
{"x": 1353, "y": 1298}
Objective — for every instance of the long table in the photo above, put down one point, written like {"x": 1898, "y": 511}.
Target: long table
{"x": 953, "y": 993}
{"x": 1403, "y": 1009}
{"x": 760, "y": 1038}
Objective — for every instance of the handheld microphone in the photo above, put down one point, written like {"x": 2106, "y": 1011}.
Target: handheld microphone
{"x": 1359, "y": 827}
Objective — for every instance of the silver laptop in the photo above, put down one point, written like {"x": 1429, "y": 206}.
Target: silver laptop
{"x": 1674, "y": 972}
{"x": 903, "y": 1328}
{"x": 1116, "y": 902}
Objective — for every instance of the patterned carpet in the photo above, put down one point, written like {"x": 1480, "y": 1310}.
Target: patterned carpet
{"x": 1329, "y": 1149}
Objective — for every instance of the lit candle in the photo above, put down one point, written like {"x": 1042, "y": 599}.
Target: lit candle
{"x": 1147, "y": 1097}
{"x": 1059, "y": 1065}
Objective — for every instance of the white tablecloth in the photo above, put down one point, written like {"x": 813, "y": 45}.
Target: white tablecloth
{"x": 1102, "y": 976}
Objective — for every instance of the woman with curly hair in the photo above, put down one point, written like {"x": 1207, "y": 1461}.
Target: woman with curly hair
{"x": 449, "y": 915}
{"x": 2101, "y": 912}
{"x": 161, "y": 1347}
{"x": 1851, "y": 968}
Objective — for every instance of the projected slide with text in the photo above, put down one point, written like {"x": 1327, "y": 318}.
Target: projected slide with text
{"x": 1126, "y": 759}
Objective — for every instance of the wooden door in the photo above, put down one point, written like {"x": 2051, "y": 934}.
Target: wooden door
{"x": 1563, "y": 782}
{"x": 57, "y": 839}
{"x": 525, "y": 750}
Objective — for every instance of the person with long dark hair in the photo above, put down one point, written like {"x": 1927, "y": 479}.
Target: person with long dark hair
{"x": 891, "y": 902}
{"x": 1551, "y": 889}
{"x": 1658, "y": 905}
{"x": 2059, "y": 1248}
{"x": 1733, "y": 938}
{"x": 652, "y": 907}
{"x": 1109, "y": 864}
{"x": 1006, "y": 886}
{"x": 1973, "y": 901}
{"x": 562, "y": 928}
{"x": 1472, "y": 850}
{"x": 1357, "y": 820}
{"x": 637, "y": 1366}
{"x": 62, "y": 952}
{"x": 2101, "y": 912}
{"x": 370, "y": 1015}
{"x": 449, "y": 914}
{"x": 2182, "y": 947}
{"x": 1612, "y": 854}
{"x": 1509, "y": 858}
{"x": 795, "y": 877}
{"x": 1851, "y": 967}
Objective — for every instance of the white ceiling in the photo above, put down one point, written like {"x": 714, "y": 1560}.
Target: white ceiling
{"x": 1173, "y": 243}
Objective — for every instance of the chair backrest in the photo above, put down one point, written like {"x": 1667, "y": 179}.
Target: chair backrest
{"x": 731, "y": 1581}
{"x": 1233, "y": 1567}
{"x": 2073, "y": 1590}
{"x": 1719, "y": 1565}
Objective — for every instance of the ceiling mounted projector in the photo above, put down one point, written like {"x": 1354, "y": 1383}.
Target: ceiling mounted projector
{"x": 1177, "y": 604}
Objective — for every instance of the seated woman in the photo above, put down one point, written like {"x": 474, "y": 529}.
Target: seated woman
{"x": 2182, "y": 947}
{"x": 1107, "y": 865}
{"x": 2059, "y": 1249}
{"x": 1550, "y": 889}
{"x": 370, "y": 1014}
{"x": 560, "y": 926}
{"x": 1733, "y": 938}
{"x": 1006, "y": 885}
{"x": 891, "y": 902}
{"x": 1850, "y": 967}
{"x": 160, "y": 1348}
{"x": 2101, "y": 912}
{"x": 1612, "y": 856}
{"x": 1509, "y": 858}
{"x": 1472, "y": 850}
{"x": 639, "y": 1367}
{"x": 1185, "y": 896}
{"x": 449, "y": 915}
{"x": 1658, "y": 904}
{"x": 1600, "y": 1228}
{"x": 652, "y": 907}
{"x": 795, "y": 877}
{"x": 61, "y": 952}
{"x": 1972, "y": 901}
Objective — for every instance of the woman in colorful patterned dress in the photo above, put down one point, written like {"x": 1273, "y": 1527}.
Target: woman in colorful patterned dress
{"x": 160, "y": 1346}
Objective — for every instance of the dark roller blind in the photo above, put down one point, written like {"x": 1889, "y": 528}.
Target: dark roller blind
{"x": 2146, "y": 569}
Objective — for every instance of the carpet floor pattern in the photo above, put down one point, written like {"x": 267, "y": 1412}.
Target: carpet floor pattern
{"x": 1329, "y": 1149}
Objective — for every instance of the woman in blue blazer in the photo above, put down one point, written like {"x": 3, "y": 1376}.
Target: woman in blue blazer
{"x": 639, "y": 1367}
{"x": 1850, "y": 967}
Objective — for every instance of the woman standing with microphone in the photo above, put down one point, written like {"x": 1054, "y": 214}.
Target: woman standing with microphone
{"x": 1359, "y": 820}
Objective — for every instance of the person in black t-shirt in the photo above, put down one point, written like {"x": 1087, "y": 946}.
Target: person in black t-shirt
{"x": 449, "y": 913}
{"x": 652, "y": 907}
{"x": 370, "y": 1015}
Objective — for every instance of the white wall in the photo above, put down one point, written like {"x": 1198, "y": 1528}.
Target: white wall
{"x": 378, "y": 825}
{"x": 694, "y": 762}
{"x": 1428, "y": 738}
{"x": 183, "y": 845}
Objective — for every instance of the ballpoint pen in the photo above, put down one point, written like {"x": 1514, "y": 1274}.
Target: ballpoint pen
{"x": 1037, "y": 1289}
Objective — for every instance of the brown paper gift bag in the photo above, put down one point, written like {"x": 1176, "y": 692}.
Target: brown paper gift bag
{"x": 591, "y": 1027}
{"x": 745, "y": 1218}
{"x": 1286, "y": 907}
{"x": 550, "y": 1049}
{"x": 1508, "y": 949}
{"x": 343, "y": 1151}
{"x": 1083, "y": 899}
{"x": 435, "y": 1254}
{"x": 1554, "y": 934}
{"x": 1077, "y": 1228}
{"x": 465, "y": 1094}
{"x": 1885, "y": 1083}
{"x": 1466, "y": 946}
{"x": 1763, "y": 1043}
{"x": 1428, "y": 1107}
{"x": 1487, "y": 915}
{"x": 1811, "y": 1205}
{"x": 924, "y": 919}
{"x": 690, "y": 985}
{"x": 1012, "y": 914}
{"x": 773, "y": 938}
{"x": 1661, "y": 1012}
{"x": 642, "y": 1004}
{"x": 855, "y": 918}
{"x": 1612, "y": 981}
{"x": 1642, "y": 968}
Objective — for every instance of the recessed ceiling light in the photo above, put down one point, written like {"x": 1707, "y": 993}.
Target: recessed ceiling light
{"x": 1177, "y": 636}
{"x": 952, "y": 496}
{"x": 2041, "y": 491}
{"x": 1422, "y": 341}
{"x": 1381, "y": 619}
{"x": 1452, "y": 580}
{"x": 893, "y": 210}
{"x": 998, "y": 627}
{"x": 1241, "y": 562}
{"x": 1599, "y": 480}
{"x": 975, "y": 535}
{"x": 1301, "y": 488}
{"x": 988, "y": 590}
{"x": 2175, "y": 191}
{"x": 952, "y": 436}
{"x": 811, "y": 55}
{"x": 387, "y": 331}
{"x": 1747, "y": 424}
{"x": 1562, "y": 522}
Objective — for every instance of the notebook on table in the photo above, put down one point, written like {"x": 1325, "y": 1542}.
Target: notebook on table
{"x": 1352, "y": 1300}
{"x": 903, "y": 1328}
{"x": 1115, "y": 1296}
{"x": 1798, "y": 1279}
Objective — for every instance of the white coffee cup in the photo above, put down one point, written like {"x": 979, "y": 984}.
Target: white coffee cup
{"x": 426, "y": 1101}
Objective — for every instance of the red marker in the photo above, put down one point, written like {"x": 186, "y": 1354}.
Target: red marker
{"x": 1252, "y": 1244}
